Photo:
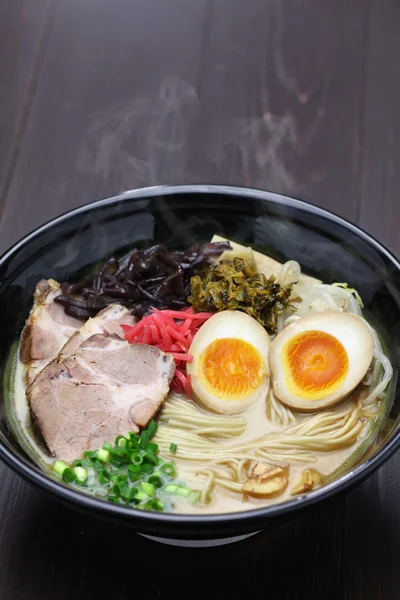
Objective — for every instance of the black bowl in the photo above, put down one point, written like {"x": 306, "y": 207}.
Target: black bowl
{"x": 325, "y": 245}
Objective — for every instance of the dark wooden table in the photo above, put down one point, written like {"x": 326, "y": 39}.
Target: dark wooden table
{"x": 294, "y": 96}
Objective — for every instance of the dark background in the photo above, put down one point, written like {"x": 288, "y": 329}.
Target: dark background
{"x": 294, "y": 96}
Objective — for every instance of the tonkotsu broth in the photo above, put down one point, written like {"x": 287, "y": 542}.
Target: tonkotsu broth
{"x": 362, "y": 414}
{"x": 223, "y": 500}
{"x": 20, "y": 418}
{"x": 257, "y": 425}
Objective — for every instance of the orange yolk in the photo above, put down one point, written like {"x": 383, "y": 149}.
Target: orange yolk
{"x": 232, "y": 368}
{"x": 316, "y": 364}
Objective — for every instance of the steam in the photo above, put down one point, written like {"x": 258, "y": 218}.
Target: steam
{"x": 141, "y": 142}
{"x": 250, "y": 150}
{"x": 162, "y": 139}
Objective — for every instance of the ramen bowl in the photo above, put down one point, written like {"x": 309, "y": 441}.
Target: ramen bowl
{"x": 326, "y": 246}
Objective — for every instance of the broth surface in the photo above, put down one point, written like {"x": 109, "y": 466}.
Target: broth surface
{"x": 224, "y": 501}
{"x": 257, "y": 425}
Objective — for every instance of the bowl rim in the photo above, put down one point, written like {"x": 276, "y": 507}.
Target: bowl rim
{"x": 257, "y": 515}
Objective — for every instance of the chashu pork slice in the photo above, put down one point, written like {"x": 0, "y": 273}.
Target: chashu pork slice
{"x": 46, "y": 330}
{"x": 106, "y": 388}
{"x": 49, "y": 330}
{"x": 109, "y": 320}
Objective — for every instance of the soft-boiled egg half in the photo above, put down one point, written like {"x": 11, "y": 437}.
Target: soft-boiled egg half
{"x": 318, "y": 360}
{"x": 230, "y": 369}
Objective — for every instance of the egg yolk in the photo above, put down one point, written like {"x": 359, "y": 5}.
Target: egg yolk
{"x": 316, "y": 363}
{"x": 232, "y": 368}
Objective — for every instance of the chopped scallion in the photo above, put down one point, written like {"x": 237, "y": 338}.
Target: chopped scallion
{"x": 120, "y": 454}
{"x": 147, "y": 468}
{"x": 154, "y": 504}
{"x": 98, "y": 466}
{"x": 59, "y": 467}
{"x": 152, "y": 429}
{"x": 128, "y": 492}
{"x": 104, "y": 477}
{"x": 194, "y": 497}
{"x": 134, "y": 472}
{"x": 81, "y": 473}
{"x": 121, "y": 479}
{"x": 133, "y": 460}
{"x": 136, "y": 458}
{"x": 116, "y": 490}
{"x": 150, "y": 457}
{"x": 179, "y": 490}
{"x": 182, "y": 491}
{"x": 148, "y": 488}
{"x": 120, "y": 440}
{"x": 171, "y": 488}
{"x": 168, "y": 469}
{"x": 144, "y": 439}
{"x": 152, "y": 447}
{"x": 104, "y": 455}
{"x": 68, "y": 476}
{"x": 141, "y": 496}
{"x": 155, "y": 480}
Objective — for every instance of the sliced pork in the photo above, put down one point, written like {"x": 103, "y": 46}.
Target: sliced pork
{"x": 106, "y": 388}
{"x": 109, "y": 320}
{"x": 47, "y": 329}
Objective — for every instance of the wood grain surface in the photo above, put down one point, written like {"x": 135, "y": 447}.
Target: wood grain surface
{"x": 295, "y": 96}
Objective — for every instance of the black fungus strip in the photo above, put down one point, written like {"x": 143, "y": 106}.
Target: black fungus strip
{"x": 142, "y": 278}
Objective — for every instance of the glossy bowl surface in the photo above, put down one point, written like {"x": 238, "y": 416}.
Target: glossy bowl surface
{"x": 325, "y": 245}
